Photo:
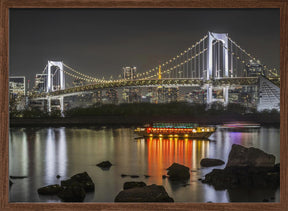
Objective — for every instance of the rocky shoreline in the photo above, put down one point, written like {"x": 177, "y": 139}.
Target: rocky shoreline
{"x": 75, "y": 188}
{"x": 246, "y": 169}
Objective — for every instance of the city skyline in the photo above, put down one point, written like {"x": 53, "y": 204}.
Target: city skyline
{"x": 99, "y": 42}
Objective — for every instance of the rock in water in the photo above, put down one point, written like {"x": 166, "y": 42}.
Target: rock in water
{"x": 49, "y": 190}
{"x": 241, "y": 156}
{"x": 129, "y": 185}
{"x": 151, "y": 193}
{"x": 85, "y": 180}
{"x": 104, "y": 164}
{"x": 71, "y": 190}
{"x": 248, "y": 177}
{"x": 81, "y": 179}
{"x": 246, "y": 167}
{"x": 208, "y": 162}
{"x": 178, "y": 172}
{"x": 74, "y": 193}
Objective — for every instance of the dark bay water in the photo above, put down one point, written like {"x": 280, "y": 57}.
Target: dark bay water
{"x": 42, "y": 153}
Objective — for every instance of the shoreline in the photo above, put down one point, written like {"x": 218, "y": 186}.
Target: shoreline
{"x": 132, "y": 120}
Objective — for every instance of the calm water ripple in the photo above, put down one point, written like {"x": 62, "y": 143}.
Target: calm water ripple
{"x": 43, "y": 153}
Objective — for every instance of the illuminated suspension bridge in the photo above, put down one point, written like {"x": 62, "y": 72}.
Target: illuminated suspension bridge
{"x": 215, "y": 61}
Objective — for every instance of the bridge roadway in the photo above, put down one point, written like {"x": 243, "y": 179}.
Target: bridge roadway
{"x": 181, "y": 82}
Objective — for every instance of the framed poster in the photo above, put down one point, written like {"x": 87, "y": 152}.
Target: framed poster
{"x": 85, "y": 78}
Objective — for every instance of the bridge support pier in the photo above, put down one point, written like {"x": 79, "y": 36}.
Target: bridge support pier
{"x": 61, "y": 101}
{"x": 226, "y": 95}
{"x": 210, "y": 99}
{"x": 209, "y": 94}
{"x": 49, "y": 104}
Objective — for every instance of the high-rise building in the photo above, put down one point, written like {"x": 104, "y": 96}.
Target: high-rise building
{"x": 112, "y": 96}
{"x": 17, "y": 92}
{"x": 40, "y": 82}
{"x": 97, "y": 96}
{"x": 129, "y": 73}
{"x": 17, "y": 85}
{"x": 254, "y": 68}
{"x": 131, "y": 95}
{"x": 167, "y": 94}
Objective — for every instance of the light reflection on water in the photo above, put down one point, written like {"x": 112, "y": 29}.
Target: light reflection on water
{"x": 43, "y": 153}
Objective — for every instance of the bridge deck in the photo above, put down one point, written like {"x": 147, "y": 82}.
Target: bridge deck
{"x": 151, "y": 83}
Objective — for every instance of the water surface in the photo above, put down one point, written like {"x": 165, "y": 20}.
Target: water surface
{"x": 42, "y": 153}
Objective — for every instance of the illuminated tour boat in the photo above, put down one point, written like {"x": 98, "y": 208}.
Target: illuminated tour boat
{"x": 181, "y": 130}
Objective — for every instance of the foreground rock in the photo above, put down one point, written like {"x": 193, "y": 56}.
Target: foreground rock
{"x": 81, "y": 179}
{"x": 129, "y": 185}
{"x": 208, "y": 162}
{"x": 234, "y": 177}
{"x": 246, "y": 167}
{"x": 71, "y": 190}
{"x": 50, "y": 189}
{"x": 75, "y": 188}
{"x": 178, "y": 172}
{"x": 104, "y": 165}
{"x": 241, "y": 156}
{"x": 74, "y": 193}
{"x": 85, "y": 180}
{"x": 151, "y": 193}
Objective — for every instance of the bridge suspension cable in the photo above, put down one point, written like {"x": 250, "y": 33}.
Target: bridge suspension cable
{"x": 45, "y": 68}
{"x": 144, "y": 75}
{"x": 83, "y": 76}
{"x": 191, "y": 59}
{"x": 77, "y": 77}
{"x": 253, "y": 58}
{"x": 182, "y": 63}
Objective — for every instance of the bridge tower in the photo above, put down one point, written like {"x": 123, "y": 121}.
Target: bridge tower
{"x": 211, "y": 64}
{"x": 60, "y": 83}
{"x": 222, "y": 37}
{"x": 59, "y": 73}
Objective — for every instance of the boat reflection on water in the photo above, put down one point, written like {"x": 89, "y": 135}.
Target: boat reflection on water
{"x": 162, "y": 152}
{"x": 240, "y": 126}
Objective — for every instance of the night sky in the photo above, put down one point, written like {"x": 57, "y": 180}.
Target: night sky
{"x": 99, "y": 42}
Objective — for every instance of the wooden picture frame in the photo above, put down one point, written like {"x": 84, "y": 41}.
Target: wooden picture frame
{"x": 282, "y": 5}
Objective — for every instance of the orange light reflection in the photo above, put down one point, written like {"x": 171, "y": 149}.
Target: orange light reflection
{"x": 163, "y": 152}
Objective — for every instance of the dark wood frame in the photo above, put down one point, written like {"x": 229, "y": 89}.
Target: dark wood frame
{"x": 4, "y": 90}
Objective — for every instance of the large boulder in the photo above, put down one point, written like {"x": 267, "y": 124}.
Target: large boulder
{"x": 85, "y": 181}
{"x": 246, "y": 167}
{"x": 74, "y": 193}
{"x": 178, "y": 172}
{"x": 208, "y": 162}
{"x": 249, "y": 177}
{"x": 82, "y": 179}
{"x": 151, "y": 193}
{"x": 71, "y": 190}
{"x": 241, "y": 156}
{"x": 50, "y": 189}
{"x": 129, "y": 185}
